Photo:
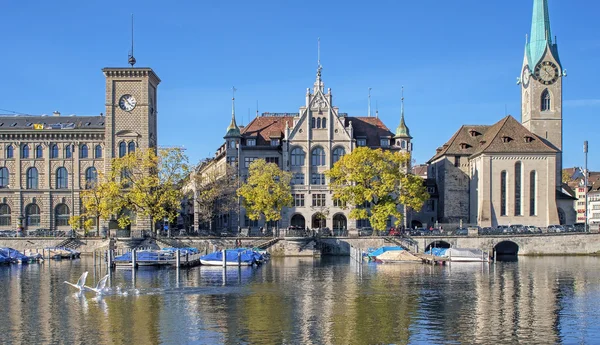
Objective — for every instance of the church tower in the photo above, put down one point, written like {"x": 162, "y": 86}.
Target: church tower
{"x": 541, "y": 83}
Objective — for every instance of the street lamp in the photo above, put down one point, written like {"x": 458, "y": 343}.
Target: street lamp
{"x": 585, "y": 151}
{"x": 72, "y": 189}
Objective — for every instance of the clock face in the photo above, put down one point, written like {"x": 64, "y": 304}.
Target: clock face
{"x": 547, "y": 72}
{"x": 127, "y": 102}
{"x": 526, "y": 76}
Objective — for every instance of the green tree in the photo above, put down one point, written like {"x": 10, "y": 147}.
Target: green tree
{"x": 377, "y": 183}
{"x": 216, "y": 193}
{"x": 266, "y": 192}
{"x": 101, "y": 200}
{"x": 566, "y": 177}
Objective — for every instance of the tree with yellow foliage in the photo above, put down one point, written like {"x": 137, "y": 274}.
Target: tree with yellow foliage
{"x": 376, "y": 183}
{"x": 100, "y": 201}
{"x": 267, "y": 191}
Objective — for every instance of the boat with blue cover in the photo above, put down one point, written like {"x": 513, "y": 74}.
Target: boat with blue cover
{"x": 14, "y": 255}
{"x": 58, "y": 253}
{"x": 146, "y": 258}
{"x": 233, "y": 257}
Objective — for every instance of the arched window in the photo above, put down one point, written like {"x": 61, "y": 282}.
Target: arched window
{"x": 62, "y": 178}
{"x": 546, "y": 100}
{"x": 91, "y": 177}
{"x": 4, "y": 177}
{"x": 532, "y": 193}
{"x": 314, "y": 121}
{"x": 98, "y": 153}
{"x": 403, "y": 144}
{"x": 68, "y": 151}
{"x": 338, "y": 153}
{"x": 131, "y": 147}
{"x": 318, "y": 157}
{"x": 39, "y": 151}
{"x": 518, "y": 192}
{"x": 54, "y": 151}
{"x": 32, "y": 178}
{"x": 324, "y": 123}
{"x": 9, "y": 151}
{"x": 503, "y": 193}
{"x": 122, "y": 149}
{"x": 32, "y": 215}
{"x": 61, "y": 215}
{"x": 4, "y": 215}
{"x": 25, "y": 151}
{"x": 319, "y": 122}
{"x": 83, "y": 151}
{"x": 297, "y": 157}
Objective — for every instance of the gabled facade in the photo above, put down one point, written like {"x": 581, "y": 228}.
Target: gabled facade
{"x": 306, "y": 144}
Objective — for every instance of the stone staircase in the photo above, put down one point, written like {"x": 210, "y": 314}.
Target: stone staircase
{"x": 264, "y": 244}
{"x": 405, "y": 242}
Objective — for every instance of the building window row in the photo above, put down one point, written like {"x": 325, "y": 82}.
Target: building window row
{"x": 125, "y": 148}
{"x": 318, "y": 157}
{"x": 339, "y": 203}
{"x": 62, "y": 178}
{"x": 318, "y": 200}
{"x": 319, "y": 122}
{"x": 298, "y": 200}
{"x": 248, "y": 161}
{"x": 5, "y": 219}
{"x": 361, "y": 142}
{"x": 317, "y": 179}
{"x": 26, "y": 151}
{"x": 298, "y": 179}
{"x": 274, "y": 160}
{"x": 518, "y": 202}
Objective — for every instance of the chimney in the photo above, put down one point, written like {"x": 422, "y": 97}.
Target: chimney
{"x": 56, "y": 113}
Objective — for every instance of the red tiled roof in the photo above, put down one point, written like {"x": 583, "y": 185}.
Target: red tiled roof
{"x": 265, "y": 127}
{"x": 369, "y": 127}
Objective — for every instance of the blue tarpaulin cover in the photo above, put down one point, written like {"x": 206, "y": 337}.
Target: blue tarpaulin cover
{"x": 382, "y": 250}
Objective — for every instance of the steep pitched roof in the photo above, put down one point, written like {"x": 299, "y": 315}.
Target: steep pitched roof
{"x": 464, "y": 142}
{"x": 266, "y": 127}
{"x": 369, "y": 127}
{"x": 510, "y": 136}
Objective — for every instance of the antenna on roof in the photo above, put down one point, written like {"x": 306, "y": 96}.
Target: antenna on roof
{"x": 131, "y": 59}
{"x": 369, "y": 105}
{"x": 256, "y": 108}
{"x": 376, "y": 109}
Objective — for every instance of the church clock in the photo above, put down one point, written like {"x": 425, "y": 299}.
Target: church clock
{"x": 547, "y": 72}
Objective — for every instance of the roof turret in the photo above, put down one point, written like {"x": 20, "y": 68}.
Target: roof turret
{"x": 233, "y": 131}
{"x": 402, "y": 130}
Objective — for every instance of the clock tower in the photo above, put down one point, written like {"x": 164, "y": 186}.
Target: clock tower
{"x": 541, "y": 84}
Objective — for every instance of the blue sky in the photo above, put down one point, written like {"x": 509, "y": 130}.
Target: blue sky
{"x": 458, "y": 62}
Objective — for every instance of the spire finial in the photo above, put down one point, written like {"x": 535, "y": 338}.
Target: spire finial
{"x": 233, "y": 90}
{"x": 318, "y": 82}
{"x": 319, "y": 52}
{"x": 131, "y": 59}
{"x": 376, "y": 109}
{"x": 402, "y": 107}
{"x": 256, "y": 108}
{"x": 369, "y": 104}
{"x": 233, "y": 131}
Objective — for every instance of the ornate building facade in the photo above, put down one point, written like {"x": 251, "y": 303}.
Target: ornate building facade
{"x": 46, "y": 161}
{"x": 306, "y": 144}
{"x": 510, "y": 172}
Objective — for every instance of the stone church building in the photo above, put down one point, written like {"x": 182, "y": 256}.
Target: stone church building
{"x": 510, "y": 172}
{"x": 306, "y": 144}
{"x": 47, "y": 160}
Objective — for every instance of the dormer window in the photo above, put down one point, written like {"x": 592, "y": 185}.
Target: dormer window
{"x": 506, "y": 139}
{"x": 482, "y": 142}
{"x": 529, "y": 139}
{"x": 474, "y": 133}
{"x": 361, "y": 142}
{"x": 384, "y": 142}
{"x": 464, "y": 146}
{"x": 250, "y": 142}
{"x": 274, "y": 142}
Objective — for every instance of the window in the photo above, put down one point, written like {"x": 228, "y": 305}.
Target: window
{"x": 25, "y": 151}
{"x": 430, "y": 207}
{"x": 98, "y": 153}
{"x": 83, "y": 152}
{"x": 456, "y": 161}
{"x": 61, "y": 215}
{"x": 503, "y": 193}
{"x": 274, "y": 142}
{"x": 318, "y": 179}
{"x": 91, "y": 177}
{"x": 313, "y": 123}
{"x": 297, "y": 157}
{"x": 4, "y": 215}
{"x": 318, "y": 200}
{"x": 274, "y": 160}
{"x": 32, "y": 178}
{"x": 298, "y": 200}
{"x": 324, "y": 123}
{"x": 68, "y": 151}
{"x": 32, "y": 215}
{"x": 126, "y": 177}
{"x": 532, "y": 193}
{"x": 131, "y": 147}
{"x": 232, "y": 144}
{"x": 4, "y": 177}
{"x": 318, "y": 157}
{"x": 9, "y": 151}
{"x": 518, "y": 193}
{"x": 403, "y": 144}
{"x": 339, "y": 203}
{"x": 122, "y": 149}
{"x": 363, "y": 223}
{"x": 318, "y": 122}
{"x": 54, "y": 151}
{"x": 361, "y": 142}
{"x": 248, "y": 161}
{"x": 232, "y": 161}
{"x": 298, "y": 179}
{"x": 250, "y": 142}
{"x": 384, "y": 142}
{"x": 546, "y": 100}
{"x": 338, "y": 153}
{"x": 62, "y": 179}
{"x": 39, "y": 151}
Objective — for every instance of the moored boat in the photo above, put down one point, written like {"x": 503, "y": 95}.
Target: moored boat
{"x": 233, "y": 257}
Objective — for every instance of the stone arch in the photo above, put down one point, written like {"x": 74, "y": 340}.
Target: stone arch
{"x": 416, "y": 224}
{"x": 340, "y": 222}
{"x": 298, "y": 221}
{"x": 319, "y": 220}
{"x": 506, "y": 250}
{"x": 438, "y": 244}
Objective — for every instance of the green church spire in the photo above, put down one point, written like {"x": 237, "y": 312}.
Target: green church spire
{"x": 233, "y": 131}
{"x": 541, "y": 34}
{"x": 402, "y": 130}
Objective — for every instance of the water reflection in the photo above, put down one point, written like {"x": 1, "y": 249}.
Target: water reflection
{"x": 306, "y": 301}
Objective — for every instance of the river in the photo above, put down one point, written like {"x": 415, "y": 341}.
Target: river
{"x": 332, "y": 300}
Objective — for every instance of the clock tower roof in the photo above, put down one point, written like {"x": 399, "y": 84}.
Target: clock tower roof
{"x": 540, "y": 39}
{"x": 402, "y": 130}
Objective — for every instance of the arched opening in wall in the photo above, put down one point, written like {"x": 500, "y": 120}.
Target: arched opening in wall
{"x": 562, "y": 217}
{"x": 298, "y": 221}
{"x": 438, "y": 244}
{"x": 415, "y": 224}
{"x": 340, "y": 224}
{"x": 506, "y": 251}
{"x": 319, "y": 220}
